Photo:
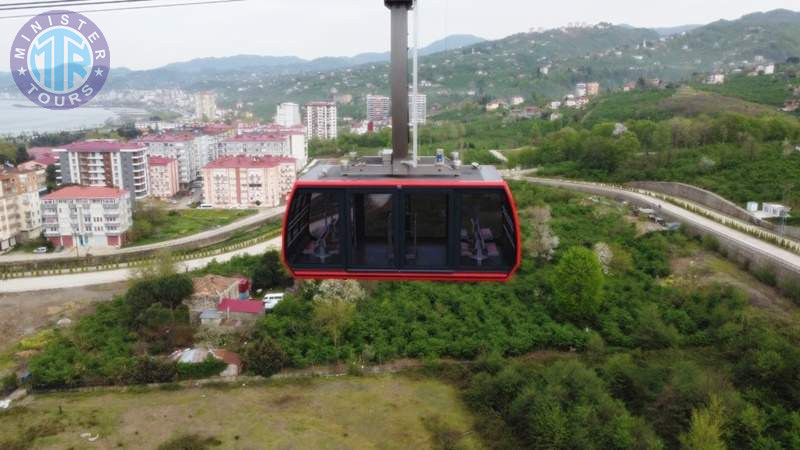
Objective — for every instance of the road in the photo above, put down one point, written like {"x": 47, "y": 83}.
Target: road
{"x": 114, "y": 276}
{"x": 776, "y": 253}
{"x": 260, "y": 216}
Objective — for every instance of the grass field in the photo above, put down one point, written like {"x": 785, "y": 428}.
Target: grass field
{"x": 391, "y": 411}
{"x": 185, "y": 222}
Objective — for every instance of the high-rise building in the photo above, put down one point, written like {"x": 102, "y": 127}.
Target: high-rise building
{"x": 272, "y": 140}
{"x": 420, "y": 105}
{"x": 87, "y": 216}
{"x": 321, "y": 120}
{"x": 185, "y": 148}
{"x": 580, "y": 90}
{"x": 205, "y": 105}
{"x": 378, "y": 108}
{"x": 20, "y": 211}
{"x": 288, "y": 115}
{"x": 105, "y": 162}
{"x": 247, "y": 181}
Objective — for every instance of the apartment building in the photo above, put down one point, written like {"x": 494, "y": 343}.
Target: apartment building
{"x": 180, "y": 147}
{"x": 20, "y": 208}
{"x": 592, "y": 89}
{"x": 105, "y": 162}
{"x": 164, "y": 176}
{"x": 205, "y": 106}
{"x": 248, "y": 181}
{"x": 87, "y": 216}
{"x": 418, "y": 104}
{"x": 288, "y": 115}
{"x": 321, "y": 120}
{"x": 378, "y": 108}
{"x": 269, "y": 140}
{"x": 41, "y": 172}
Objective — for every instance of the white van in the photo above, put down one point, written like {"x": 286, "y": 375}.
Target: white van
{"x": 272, "y": 299}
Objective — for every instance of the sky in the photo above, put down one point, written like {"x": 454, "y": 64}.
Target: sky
{"x": 145, "y": 39}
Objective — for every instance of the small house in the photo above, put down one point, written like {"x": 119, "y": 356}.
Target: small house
{"x": 240, "y": 311}
{"x": 209, "y": 290}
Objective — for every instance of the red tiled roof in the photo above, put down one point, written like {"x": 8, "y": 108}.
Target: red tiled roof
{"x": 47, "y": 159}
{"x": 159, "y": 160}
{"x": 243, "y": 162}
{"x": 166, "y": 138}
{"x": 257, "y": 138}
{"x": 37, "y": 151}
{"x": 101, "y": 145}
{"x": 76, "y": 192}
{"x": 241, "y": 306}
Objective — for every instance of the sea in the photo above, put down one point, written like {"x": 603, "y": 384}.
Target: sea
{"x": 23, "y": 117}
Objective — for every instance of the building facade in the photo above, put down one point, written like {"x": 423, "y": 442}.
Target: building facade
{"x": 270, "y": 141}
{"x": 418, "y": 104}
{"x": 205, "y": 106}
{"x": 378, "y": 108}
{"x": 248, "y": 181}
{"x": 164, "y": 176}
{"x": 87, "y": 216}
{"x": 321, "y": 120}
{"x": 105, "y": 162}
{"x": 592, "y": 89}
{"x": 288, "y": 115}
{"x": 20, "y": 208}
{"x": 185, "y": 148}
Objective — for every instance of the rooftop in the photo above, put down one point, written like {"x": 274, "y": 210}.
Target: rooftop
{"x": 242, "y": 162}
{"x": 241, "y": 306}
{"x": 83, "y": 192}
{"x": 159, "y": 160}
{"x": 329, "y": 171}
{"x": 257, "y": 138}
{"x": 101, "y": 145}
{"x": 213, "y": 284}
{"x": 183, "y": 137}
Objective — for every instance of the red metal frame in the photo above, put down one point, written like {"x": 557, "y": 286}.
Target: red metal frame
{"x": 312, "y": 274}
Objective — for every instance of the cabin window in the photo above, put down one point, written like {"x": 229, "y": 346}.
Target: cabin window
{"x": 372, "y": 230}
{"x": 487, "y": 232}
{"x": 313, "y": 229}
{"x": 425, "y": 232}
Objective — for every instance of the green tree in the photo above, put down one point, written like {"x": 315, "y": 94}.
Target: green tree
{"x": 270, "y": 273}
{"x": 578, "y": 285}
{"x": 334, "y": 306}
{"x": 264, "y": 356}
{"x": 706, "y": 429}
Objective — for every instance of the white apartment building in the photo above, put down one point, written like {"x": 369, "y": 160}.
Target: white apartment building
{"x": 321, "y": 120}
{"x": 378, "y": 108}
{"x": 192, "y": 152}
{"x": 105, "y": 162}
{"x": 288, "y": 115}
{"x": 164, "y": 178}
{"x": 20, "y": 210}
{"x": 420, "y": 105}
{"x": 205, "y": 106}
{"x": 87, "y": 216}
{"x": 248, "y": 181}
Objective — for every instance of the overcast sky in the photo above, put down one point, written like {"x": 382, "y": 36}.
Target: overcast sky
{"x": 313, "y": 28}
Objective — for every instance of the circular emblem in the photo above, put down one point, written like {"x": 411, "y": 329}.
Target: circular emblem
{"x": 60, "y": 60}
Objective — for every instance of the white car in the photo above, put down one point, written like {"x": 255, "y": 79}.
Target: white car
{"x": 40, "y": 250}
{"x": 271, "y": 300}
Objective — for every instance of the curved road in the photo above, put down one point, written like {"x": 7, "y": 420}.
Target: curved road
{"x": 778, "y": 254}
{"x": 260, "y": 216}
{"x": 114, "y": 276}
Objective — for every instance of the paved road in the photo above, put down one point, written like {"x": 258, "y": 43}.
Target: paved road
{"x": 779, "y": 254}
{"x": 261, "y": 216}
{"x": 113, "y": 276}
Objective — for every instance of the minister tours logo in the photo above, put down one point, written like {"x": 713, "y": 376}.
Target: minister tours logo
{"x": 60, "y": 60}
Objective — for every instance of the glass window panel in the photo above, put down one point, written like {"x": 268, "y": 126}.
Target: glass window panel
{"x": 372, "y": 236}
{"x": 487, "y": 240}
{"x": 313, "y": 229}
{"x": 426, "y": 225}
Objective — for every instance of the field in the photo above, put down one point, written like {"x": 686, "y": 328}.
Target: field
{"x": 389, "y": 411}
{"x": 184, "y": 222}
{"x": 769, "y": 90}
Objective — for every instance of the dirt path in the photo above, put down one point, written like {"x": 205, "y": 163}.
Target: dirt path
{"x": 23, "y": 314}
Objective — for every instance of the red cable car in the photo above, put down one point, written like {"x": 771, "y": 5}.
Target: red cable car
{"x": 393, "y": 218}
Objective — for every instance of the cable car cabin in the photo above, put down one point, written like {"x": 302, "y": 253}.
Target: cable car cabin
{"x": 462, "y": 227}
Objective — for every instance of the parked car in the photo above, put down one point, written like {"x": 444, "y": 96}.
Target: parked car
{"x": 205, "y": 206}
{"x": 272, "y": 299}
{"x": 40, "y": 250}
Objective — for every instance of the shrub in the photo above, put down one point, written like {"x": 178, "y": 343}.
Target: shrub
{"x": 264, "y": 356}
{"x": 208, "y": 368}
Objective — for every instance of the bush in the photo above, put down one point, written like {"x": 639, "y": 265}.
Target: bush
{"x": 210, "y": 367}
{"x": 153, "y": 370}
{"x": 264, "y": 356}
{"x": 190, "y": 442}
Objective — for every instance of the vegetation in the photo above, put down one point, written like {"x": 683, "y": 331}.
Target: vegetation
{"x": 265, "y": 271}
{"x": 153, "y": 223}
{"x": 771, "y": 90}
